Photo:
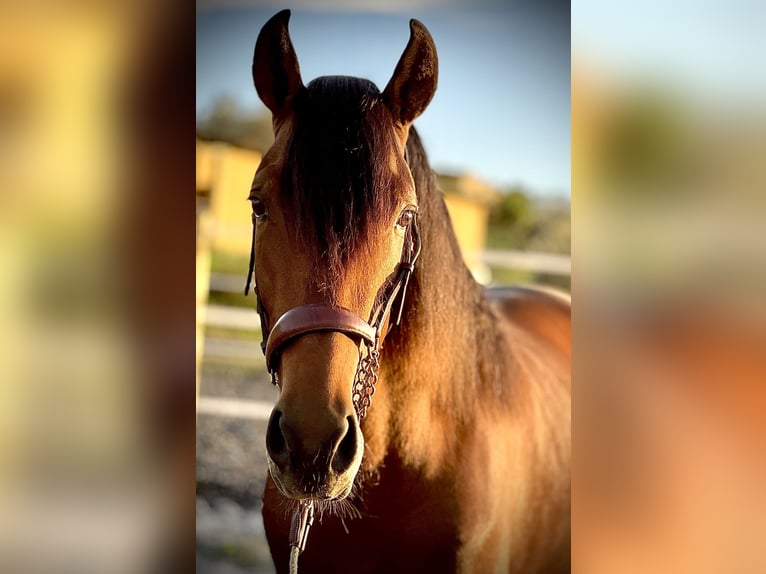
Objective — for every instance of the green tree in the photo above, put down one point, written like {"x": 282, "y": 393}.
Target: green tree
{"x": 521, "y": 221}
{"x": 510, "y": 221}
{"x": 513, "y": 209}
{"x": 227, "y": 121}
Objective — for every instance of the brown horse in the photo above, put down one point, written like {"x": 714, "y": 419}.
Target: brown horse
{"x": 461, "y": 463}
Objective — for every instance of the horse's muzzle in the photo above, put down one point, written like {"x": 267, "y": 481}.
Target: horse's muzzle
{"x": 315, "y": 465}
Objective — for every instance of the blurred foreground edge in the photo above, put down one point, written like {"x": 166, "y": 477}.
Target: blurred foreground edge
{"x": 97, "y": 400}
{"x": 669, "y": 327}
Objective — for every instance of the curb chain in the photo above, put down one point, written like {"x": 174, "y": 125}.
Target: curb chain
{"x": 365, "y": 380}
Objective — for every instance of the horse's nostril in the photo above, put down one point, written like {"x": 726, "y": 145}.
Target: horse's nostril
{"x": 346, "y": 451}
{"x": 333, "y": 447}
{"x": 276, "y": 445}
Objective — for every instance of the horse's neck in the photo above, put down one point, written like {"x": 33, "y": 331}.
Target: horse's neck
{"x": 435, "y": 363}
{"x": 444, "y": 294}
{"x": 448, "y": 311}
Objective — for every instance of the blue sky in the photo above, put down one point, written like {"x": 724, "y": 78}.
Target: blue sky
{"x": 501, "y": 110}
{"x": 712, "y": 49}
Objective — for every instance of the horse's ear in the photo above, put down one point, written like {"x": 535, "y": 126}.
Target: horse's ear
{"x": 413, "y": 84}
{"x": 276, "y": 73}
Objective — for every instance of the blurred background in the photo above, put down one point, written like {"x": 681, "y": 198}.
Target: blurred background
{"x": 497, "y": 134}
{"x": 668, "y": 176}
{"x": 96, "y": 333}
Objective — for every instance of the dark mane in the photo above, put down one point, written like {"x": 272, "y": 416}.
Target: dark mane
{"x": 424, "y": 176}
{"x": 466, "y": 313}
{"x": 337, "y": 178}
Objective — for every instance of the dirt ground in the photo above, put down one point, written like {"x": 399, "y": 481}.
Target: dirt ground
{"x": 231, "y": 473}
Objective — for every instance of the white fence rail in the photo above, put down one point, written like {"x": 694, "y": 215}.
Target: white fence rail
{"x": 528, "y": 261}
{"x": 550, "y": 263}
{"x": 246, "y": 319}
{"x": 235, "y": 408}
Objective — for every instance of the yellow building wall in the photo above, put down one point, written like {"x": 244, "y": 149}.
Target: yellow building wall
{"x": 469, "y": 219}
{"x": 227, "y": 173}
{"x": 205, "y": 153}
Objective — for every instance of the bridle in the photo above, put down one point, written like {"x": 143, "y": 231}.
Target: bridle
{"x": 313, "y": 318}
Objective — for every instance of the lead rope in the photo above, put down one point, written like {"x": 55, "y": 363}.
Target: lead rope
{"x": 303, "y": 518}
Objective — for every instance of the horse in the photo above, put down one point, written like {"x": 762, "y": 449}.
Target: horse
{"x": 461, "y": 463}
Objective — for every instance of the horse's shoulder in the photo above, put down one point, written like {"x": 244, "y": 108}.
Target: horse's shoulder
{"x": 542, "y": 312}
{"x": 538, "y": 299}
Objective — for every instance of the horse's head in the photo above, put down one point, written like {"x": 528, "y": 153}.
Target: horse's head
{"x": 333, "y": 205}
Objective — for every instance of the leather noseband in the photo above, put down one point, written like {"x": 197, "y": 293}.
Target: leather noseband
{"x": 306, "y": 319}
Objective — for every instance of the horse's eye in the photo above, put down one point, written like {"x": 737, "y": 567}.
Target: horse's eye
{"x": 406, "y": 217}
{"x": 259, "y": 208}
